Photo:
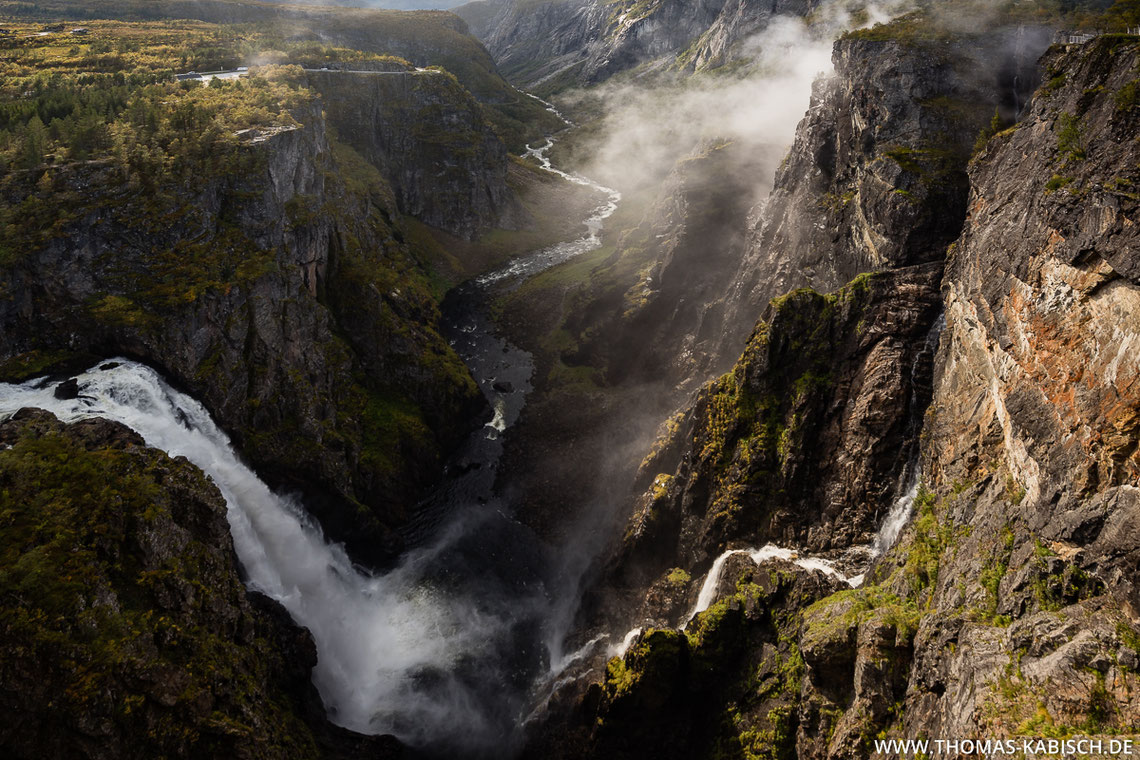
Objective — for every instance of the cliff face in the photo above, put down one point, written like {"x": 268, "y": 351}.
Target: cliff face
{"x": 1033, "y": 432}
{"x": 427, "y": 136}
{"x": 283, "y": 297}
{"x": 1008, "y": 606}
{"x": 876, "y": 177}
{"x": 800, "y": 444}
{"x": 565, "y": 42}
{"x": 126, "y": 631}
{"x": 875, "y": 181}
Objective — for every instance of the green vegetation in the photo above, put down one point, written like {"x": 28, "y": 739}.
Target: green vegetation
{"x": 422, "y": 37}
{"x": 1057, "y": 182}
{"x": 74, "y": 120}
{"x": 1127, "y": 97}
{"x": 933, "y": 166}
{"x": 929, "y": 24}
{"x": 991, "y": 576}
{"x": 997, "y": 124}
{"x": 931, "y": 538}
{"x": 832, "y": 617}
{"x": 678, "y": 577}
{"x": 1070, "y": 143}
{"x": 107, "y": 591}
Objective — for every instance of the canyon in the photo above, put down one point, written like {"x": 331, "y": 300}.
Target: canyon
{"x": 418, "y": 435}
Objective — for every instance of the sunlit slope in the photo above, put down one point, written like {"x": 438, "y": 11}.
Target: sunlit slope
{"x": 426, "y": 38}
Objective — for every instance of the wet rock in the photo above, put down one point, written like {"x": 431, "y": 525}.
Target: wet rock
{"x": 125, "y": 630}
{"x": 68, "y": 389}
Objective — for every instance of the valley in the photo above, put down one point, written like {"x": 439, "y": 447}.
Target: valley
{"x": 567, "y": 379}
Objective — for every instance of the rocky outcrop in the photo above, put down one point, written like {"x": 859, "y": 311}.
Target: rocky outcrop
{"x": 427, "y": 136}
{"x": 874, "y": 182}
{"x": 1008, "y": 608}
{"x": 125, "y": 630}
{"x": 1031, "y": 440}
{"x": 554, "y": 44}
{"x": 876, "y": 177}
{"x": 725, "y": 686}
{"x": 801, "y": 443}
{"x": 280, "y": 293}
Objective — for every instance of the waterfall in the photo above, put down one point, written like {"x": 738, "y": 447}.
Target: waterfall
{"x": 897, "y": 517}
{"x": 401, "y": 653}
{"x": 769, "y": 551}
{"x": 911, "y": 476}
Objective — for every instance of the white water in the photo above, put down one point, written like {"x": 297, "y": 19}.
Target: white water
{"x": 620, "y": 648}
{"x": 898, "y": 516}
{"x": 770, "y": 551}
{"x": 526, "y": 266}
{"x": 377, "y": 637}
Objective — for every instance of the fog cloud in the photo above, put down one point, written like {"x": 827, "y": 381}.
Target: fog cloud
{"x": 645, "y": 130}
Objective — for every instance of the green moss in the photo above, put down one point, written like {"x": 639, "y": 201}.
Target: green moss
{"x": 1129, "y": 636}
{"x": 932, "y": 165}
{"x": 37, "y": 362}
{"x": 678, "y": 577}
{"x": 93, "y": 605}
{"x": 647, "y": 665}
{"x": 1056, "y": 82}
{"x": 932, "y": 537}
{"x": 992, "y": 573}
{"x": 392, "y": 426}
{"x": 832, "y": 617}
{"x": 1057, "y": 182}
{"x": 121, "y": 311}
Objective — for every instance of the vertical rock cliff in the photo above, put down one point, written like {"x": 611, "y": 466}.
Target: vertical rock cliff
{"x": 279, "y": 291}
{"x": 126, "y": 631}
{"x": 427, "y": 136}
{"x": 1007, "y": 608}
{"x": 1031, "y": 440}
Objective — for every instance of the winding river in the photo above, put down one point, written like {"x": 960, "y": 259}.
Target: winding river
{"x": 444, "y": 649}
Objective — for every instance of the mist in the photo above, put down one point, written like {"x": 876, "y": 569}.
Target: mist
{"x": 645, "y": 130}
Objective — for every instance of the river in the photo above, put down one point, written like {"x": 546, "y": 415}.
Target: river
{"x": 441, "y": 651}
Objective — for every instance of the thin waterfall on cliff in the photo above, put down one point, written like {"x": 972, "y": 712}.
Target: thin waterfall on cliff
{"x": 769, "y": 551}
{"x": 911, "y": 477}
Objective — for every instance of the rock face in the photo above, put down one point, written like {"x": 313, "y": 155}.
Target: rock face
{"x": 875, "y": 181}
{"x": 876, "y": 178}
{"x": 558, "y": 43}
{"x": 1008, "y": 607}
{"x": 801, "y": 444}
{"x": 282, "y": 296}
{"x": 683, "y": 694}
{"x": 126, "y": 632}
{"x": 1033, "y": 432}
{"x": 427, "y": 136}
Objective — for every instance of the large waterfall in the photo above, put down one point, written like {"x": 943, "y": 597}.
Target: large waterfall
{"x": 407, "y": 652}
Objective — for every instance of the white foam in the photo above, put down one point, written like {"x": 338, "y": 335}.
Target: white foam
{"x": 769, "y": 551}
{"x": 376, "y": 636}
